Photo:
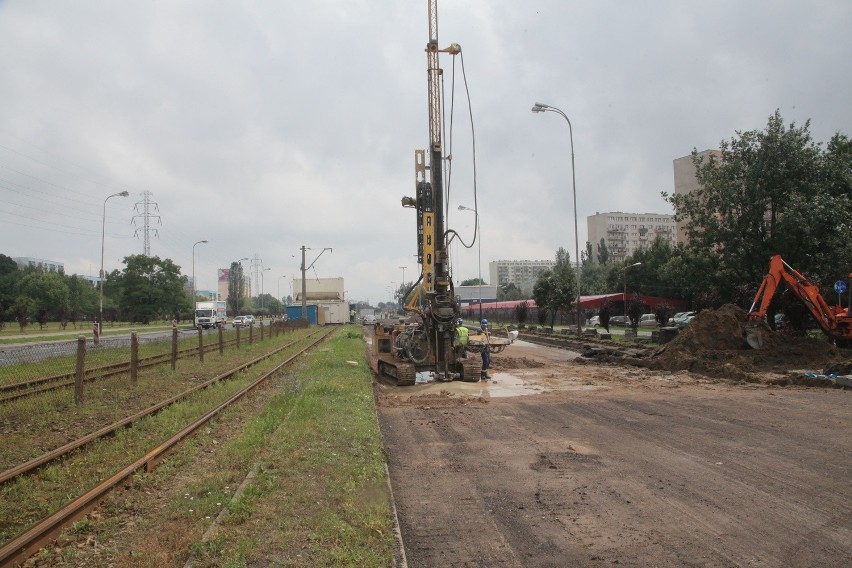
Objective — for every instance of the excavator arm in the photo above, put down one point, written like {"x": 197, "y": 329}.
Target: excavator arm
{"x": 833, "y": 320}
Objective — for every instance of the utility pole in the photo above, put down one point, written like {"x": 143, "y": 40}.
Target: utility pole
{"x": 304, "y": 285}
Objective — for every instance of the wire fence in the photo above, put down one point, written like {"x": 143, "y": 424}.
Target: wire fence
{"x": 52, "y": 360}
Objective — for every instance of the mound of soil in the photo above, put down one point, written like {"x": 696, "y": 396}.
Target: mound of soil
{"x": 504, "y": 363}
{"x": 714, "y": 344}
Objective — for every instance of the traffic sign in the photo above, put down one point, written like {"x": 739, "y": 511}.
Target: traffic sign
{"x": 840, "y": 286}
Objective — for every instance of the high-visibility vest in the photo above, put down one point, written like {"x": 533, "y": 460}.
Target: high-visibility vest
{"x": 461, "y": 335}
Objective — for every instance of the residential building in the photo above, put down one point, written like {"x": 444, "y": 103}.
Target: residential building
{"x": 40, "y": 263}
{"x": 521, "y": 273}
{"x": 224, "y": 275}
{"x": 625, "y": 233}
{"x": 686, "y": 182}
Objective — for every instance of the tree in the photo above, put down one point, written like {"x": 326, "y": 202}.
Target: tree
{"x": 556, "y": 290}
{"x": 152, "y": 287}
{"x": 82, "y": 299}
{"x": 773, "y": 191}
{"x": 543, "y": 294}
{"x": 47, "y": 290}
{"x": 236, "y": 287}
{"x": 473, "y": 282}
{"x": 603, "y": 252}
{"x": 509, "y": 292}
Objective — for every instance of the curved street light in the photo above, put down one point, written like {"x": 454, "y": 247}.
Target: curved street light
{"x": 103, "y": 235}
{"x": 194, "y": 298}
{"x": 541, "y": 107}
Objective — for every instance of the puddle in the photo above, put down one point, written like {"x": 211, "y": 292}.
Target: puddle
{"x": 501, "y": 385}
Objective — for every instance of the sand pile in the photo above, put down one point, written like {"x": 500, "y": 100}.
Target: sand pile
{"x": 714, "y": 344}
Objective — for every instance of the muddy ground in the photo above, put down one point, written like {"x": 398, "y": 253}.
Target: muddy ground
{"x": 563, "y": 461}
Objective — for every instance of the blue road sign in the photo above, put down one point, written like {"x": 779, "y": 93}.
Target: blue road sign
{"x": 840, "y": 286}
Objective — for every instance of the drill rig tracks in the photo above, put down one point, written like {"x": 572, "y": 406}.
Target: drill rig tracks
{"x": 17, "y": 550}
{"x": 24, "y": 389}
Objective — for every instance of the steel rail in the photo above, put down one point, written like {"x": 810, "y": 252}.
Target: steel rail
{"x": 110, "y": 371}
{"x": 57, "y": 453}
{"x": 16, "y": 551}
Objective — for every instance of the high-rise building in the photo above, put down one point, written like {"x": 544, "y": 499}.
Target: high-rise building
{"x": 686, "y": 182}
{"x": 625, "y": 233}
{"x": 521, "y": 273}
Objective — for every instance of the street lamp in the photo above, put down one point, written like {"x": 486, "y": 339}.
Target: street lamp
{"x": 541, "y": 107}
{"x": 193, "y": 272}
{"x": 478, "y": 238}
{"x": 280, "y": 299}
{"x": 103, "y": 235}
{"x": 624, "y": 297}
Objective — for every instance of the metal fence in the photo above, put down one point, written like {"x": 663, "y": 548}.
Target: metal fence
{"x": 25, "y": 362}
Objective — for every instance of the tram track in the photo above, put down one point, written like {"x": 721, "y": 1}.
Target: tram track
{"x": 27, "y": 543}
{"x": 23, "y": 389}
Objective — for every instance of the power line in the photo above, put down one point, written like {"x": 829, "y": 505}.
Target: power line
{"x": 146, "y": 215}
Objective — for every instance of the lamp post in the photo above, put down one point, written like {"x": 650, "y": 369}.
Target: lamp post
{"x": 479, "y": 252}
{"x": 280, "y": 299}
{"x": 103, "y": 235}
{"x": 237, "y": 298}
{"x": 541, "y": 107}
{"x": 624, "y": 297}
{"x": 193, "y": 272}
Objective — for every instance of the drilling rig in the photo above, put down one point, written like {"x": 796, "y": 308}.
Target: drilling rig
{"x": 424, "y": 342}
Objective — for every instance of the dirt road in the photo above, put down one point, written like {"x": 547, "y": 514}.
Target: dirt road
{"x": 555, "y": 463}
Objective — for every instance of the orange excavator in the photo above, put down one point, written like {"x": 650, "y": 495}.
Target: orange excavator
{"x": 834, "y": 321}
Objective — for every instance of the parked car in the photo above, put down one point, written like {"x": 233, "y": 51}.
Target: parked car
{"x": 648, "y": 320}
{"x": 595, "y": 321}
{"x": 369, "y": 320}
{"x": 680, "y": 319}
{"x": 618, "y": 321}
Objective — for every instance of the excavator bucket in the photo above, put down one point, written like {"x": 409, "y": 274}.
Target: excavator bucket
{"x": 756, "y": 333}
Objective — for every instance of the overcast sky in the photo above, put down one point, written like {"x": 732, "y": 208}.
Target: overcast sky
{"x": 267, "y": 125}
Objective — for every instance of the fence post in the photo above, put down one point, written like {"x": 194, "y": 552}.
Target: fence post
{"x": 201, "y": 344}
{"x": 261, "y": 331}
{"x": 239, "y": 327}
{"x": 221, "y": 344}
{"x": 251, "y": 333}
{"x": 174, "y": 347}
{"x": 134, "y": 358}
{"x": 81, "y": 370}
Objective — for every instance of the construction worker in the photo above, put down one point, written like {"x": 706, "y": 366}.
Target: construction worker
{"x": 486, "y": 354}
{"x": 461, "y": 339}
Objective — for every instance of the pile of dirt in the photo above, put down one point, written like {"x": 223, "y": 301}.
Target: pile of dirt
{"x": 714, "y": 344}
{"x": 505, "y": 363}
{"x": 428, "y": 400}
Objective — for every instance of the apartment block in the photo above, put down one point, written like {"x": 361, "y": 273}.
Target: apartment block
{"x": 686, "y": 182}
{"x": 625, "y": 233}
{"x": 521, "y": 273}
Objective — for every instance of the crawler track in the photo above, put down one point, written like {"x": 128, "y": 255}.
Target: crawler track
{"x": 20, "y": 548}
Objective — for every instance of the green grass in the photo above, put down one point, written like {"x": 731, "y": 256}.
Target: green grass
{"x": 319, "y": 497}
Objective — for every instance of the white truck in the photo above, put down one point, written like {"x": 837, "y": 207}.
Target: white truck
{"x": 209, "y": 314}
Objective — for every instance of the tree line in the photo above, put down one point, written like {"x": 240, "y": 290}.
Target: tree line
{"x": 147, "y": 289}
{"x": 773, "y": 191}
